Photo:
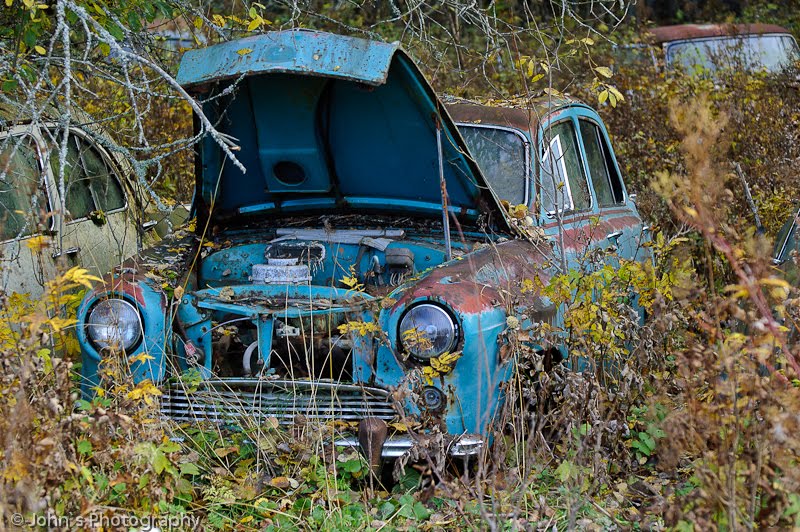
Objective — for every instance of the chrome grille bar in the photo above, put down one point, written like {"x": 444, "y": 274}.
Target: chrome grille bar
{"x": 229, "y": 400}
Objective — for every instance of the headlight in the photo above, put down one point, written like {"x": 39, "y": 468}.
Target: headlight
{"x": 427, "y": 331}
{"x": 114, "y": 323}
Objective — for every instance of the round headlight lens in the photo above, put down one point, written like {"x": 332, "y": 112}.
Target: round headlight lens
{"x": 114, "y": 323}
{"x": 427, "y": 331}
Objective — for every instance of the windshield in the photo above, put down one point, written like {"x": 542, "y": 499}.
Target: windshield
{"x": 772, "y": 53}
{"x": 502, "y": 156}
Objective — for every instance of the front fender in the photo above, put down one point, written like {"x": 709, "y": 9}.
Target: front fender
{"x": 152, "y": 304}
{"x": 479, "y": 290}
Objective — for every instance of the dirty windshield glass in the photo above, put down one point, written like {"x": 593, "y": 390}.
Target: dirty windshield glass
{"x": 501, "y": 156}
{"x": 22, "y": 202}
{"x": 772, "y": 53}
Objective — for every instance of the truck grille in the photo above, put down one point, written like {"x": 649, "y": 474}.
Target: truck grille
{"x": 254, "y": 400}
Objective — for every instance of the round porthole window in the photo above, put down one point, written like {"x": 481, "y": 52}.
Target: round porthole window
{"x": 289, "y": 173}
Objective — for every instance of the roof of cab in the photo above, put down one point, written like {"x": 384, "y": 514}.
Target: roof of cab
{"x": 681, "y": 32}
{"x": 519, "y": 113}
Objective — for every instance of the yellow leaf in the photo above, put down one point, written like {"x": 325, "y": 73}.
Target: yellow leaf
{"x": 774, "y": 281}
{"x": 9, "y": 3}
{"x": 222, "y": 452}
{"x": 198, "y": 22}
{"x": 40, "y": 50}
{"x": 603, "y": 71}
{"x": 602, "y": 97}
{"x": 37, "y": 243}
{"x": 142, "y": 357}
{"x": 244, "y": 51}
{"x": 280, "y": 482}
{"x": 256, "y": 22}
{"x": 616, "y": 93}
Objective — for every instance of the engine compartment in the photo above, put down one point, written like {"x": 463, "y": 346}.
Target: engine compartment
{"x": 379, "y": 259}
{"x": 296, "y": 293}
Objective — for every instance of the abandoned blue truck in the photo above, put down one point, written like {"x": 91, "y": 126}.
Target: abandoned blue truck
{"x": 361, "y": 269}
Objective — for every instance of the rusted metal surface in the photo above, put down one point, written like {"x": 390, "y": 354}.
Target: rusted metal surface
{"x": 524, "y": 115}
{"x": 663, "y": 34}
{"x": 579, "y": 235}
{"x": 474, "y": 284}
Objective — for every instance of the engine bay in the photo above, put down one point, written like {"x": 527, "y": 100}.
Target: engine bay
{"x": 282, "y": 306}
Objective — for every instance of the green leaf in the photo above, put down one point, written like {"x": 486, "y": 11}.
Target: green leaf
{"x": 647, "y": 440}
{"x": 134, "y": 23}
{"x": 160, "y": 462}
{"x": 189, "y": 468}
{"x": 84, "y": 447}
{"x": 641, "y": 447}
{"x": 29, "y": 38}
{"x": 170, "y": 447}
{"x": 420, "y": 512}
{"x": 565, "y": 470}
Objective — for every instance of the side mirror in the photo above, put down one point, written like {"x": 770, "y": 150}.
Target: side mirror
{"x": 632, "y": 197}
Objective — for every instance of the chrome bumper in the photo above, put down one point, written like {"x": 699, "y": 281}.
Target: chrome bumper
{"x": 396, "y": 446}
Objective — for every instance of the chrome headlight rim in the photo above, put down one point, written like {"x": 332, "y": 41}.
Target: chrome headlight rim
{"x": 115, "y": 299}
{"x": 444, "y": 312}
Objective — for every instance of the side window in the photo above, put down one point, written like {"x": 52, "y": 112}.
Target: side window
{"x": 605, "y": 180}
{"x": 90, "y": 184}
{"x": 563, "y": 182}
{"x": 23, "y": 204}
{"x": 502, "y": 157}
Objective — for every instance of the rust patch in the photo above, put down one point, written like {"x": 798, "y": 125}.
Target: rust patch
{"x": 474, "y": 283}
{"x": 680, "y": 32}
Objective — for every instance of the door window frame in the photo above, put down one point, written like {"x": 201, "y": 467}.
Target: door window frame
{"x": 575, "y": 114}
{"x": 608, "y": 154}
{"x": 44, "y": 175}
{"x": 543, "y": 129}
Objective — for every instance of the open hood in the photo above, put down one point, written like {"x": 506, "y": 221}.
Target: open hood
{"x": 328, "y": 124}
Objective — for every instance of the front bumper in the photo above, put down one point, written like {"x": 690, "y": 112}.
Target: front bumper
{"x": 464, "y": 446}
{"x": 249, "y": 402}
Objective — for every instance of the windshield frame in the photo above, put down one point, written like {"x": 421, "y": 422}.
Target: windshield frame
{"x": 526, "y": 143}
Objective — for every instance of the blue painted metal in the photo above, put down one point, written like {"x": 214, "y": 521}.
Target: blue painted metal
{"x": 151, "y": 302}
{"x": 294, "y": 52}
{"x": 315, "y": 137}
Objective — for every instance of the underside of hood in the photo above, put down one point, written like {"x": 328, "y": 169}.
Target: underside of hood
{"x": 328, "y": 123}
